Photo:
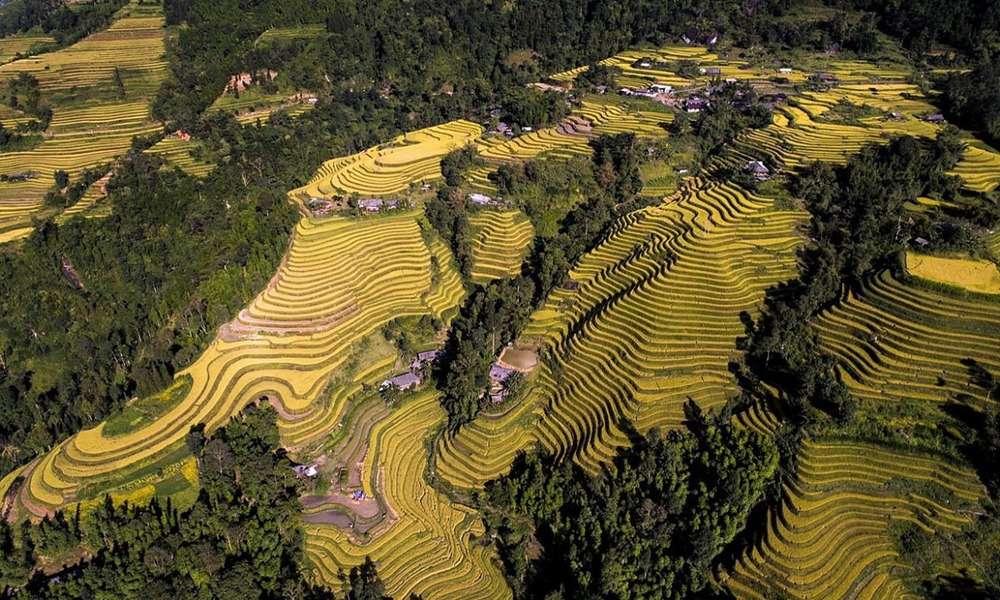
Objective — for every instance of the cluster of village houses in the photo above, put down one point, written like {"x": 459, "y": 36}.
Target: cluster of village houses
{"x": 414, "y": 377}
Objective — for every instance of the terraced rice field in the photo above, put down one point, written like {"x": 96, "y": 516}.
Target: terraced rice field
{"x": 91, "y": 131}
{"x": 23, "y": 43}
{"x": 979, "y": 168}
{"x": 830, "y": 538}
{"x": 87, "y": 204}
{"x": 500, "y": 242}
{"x": 797, "y": 137}
{"x": 648, "y": 319}
{"x": 342, "y": 280}
{"x": 390, "y": 168}
{"x": 900, "y": 340}
{"x": 965, "y": 273}
{"x": 568, "y": 139}
{"x": 178, "y": 153}
{"x": 653, "y": 320}
{"x": 638, "y": 76}
{"x": 428, "y": 544}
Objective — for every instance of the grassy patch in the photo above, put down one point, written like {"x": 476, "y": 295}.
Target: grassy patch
{"x": 144, "y": 411}
{"x": 845, "y": 112}
{"x": 165, "y": 463}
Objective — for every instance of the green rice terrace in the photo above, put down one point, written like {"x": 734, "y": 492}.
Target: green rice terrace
{"x": 447, "y": 301}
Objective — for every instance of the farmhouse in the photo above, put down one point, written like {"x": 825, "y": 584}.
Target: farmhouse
{"x": 498, "y": 377}
{"x": 758, "y": 169}
{"x": 710, "y": 71}
{"x": 772, "y": 100}
{"x": 785, "y": 70}
{"x": 694, "y": 36}
{"x": 319, "y": 206}
{"x": 660, "y": 88}
{"x": 481, "y": 199}
{"x": 826, "y": 79}
{"x": 695, "y": 104}
{"x": 504, "y": 129}
{"x": 426, "y": 357}
{"x": 403, "y": 382}
{"x": 934, "y": 118}
{"x": 373, "y": 205}
{"x": 500, "y": 374}
{"x": 305, "y": 470}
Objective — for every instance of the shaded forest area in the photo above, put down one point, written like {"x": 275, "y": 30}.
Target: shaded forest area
{"x": 65, "y": 23}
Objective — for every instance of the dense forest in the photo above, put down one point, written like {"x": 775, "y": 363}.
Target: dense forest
{"x": 56, "y": 18}
{"x": 241, "y": 539}
{"x": 650, "y": 527}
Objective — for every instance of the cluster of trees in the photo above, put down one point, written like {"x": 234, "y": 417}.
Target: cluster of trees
{"x": 651, "y": 527}
{"x": 546, "y": 190}
{"x": 7, "y": 137}
{"x": 455, "y": 55}
{"x": 455, "y": 164}
{"x": 446, "y": 213}
{"x": 241, "y": 539}
{"x": 530, "y": 107}
{"x": 594, "y": 76}
{"x": 973, "y": 99}
{"x": 969, "y": 25}
{"x": 857, "y": 228}
{"x": 23, "y": 94}
{"x": 75, "y": 190}
{"x": 856, "y": 33}
{"x": 495, "y": 314}
{"x": 734, "y": 108}
{"x": 66, "y": 24}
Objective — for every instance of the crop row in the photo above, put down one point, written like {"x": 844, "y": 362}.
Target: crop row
{"x": 428, "y": 545}
{"x": 499, "y": 244}
{"x": 830, "y": 536}
{"x": 391, "y": 168}
{"x": 895, "y": 341}
{"x": 652, "y": 321}
{"x": 385, "y": 277}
